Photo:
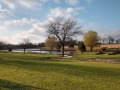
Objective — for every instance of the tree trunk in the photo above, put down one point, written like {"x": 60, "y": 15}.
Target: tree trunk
{"x": 63, "y": 50}
{"x": 91, "y": 48}
{"x": 40, "y": 49}
{"x": 82, "y": 51}
{"x": 24, "y": 50}
{"x": 50, "y": 51}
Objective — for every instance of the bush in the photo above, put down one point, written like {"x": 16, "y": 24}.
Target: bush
{"x": 81, "y": 47}
{"x": 116, "y": 52}
{"x": 10, "y": 50}
{"x": 104, "y": 49}
{"x": 99, "y": 52}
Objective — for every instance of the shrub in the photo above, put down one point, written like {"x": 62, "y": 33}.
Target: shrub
{"x": 99, "y": 52}
{"x": 116, "y": 52}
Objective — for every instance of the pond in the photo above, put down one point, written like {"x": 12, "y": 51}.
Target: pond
{"x": 43, "y": 51}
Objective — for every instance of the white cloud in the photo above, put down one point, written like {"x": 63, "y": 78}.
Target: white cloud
{"x": 29, "y": 3}
{"x": 23, "y": 21}
{"x": 55, "y": 12}
{"x": 36, "y": 33}
{"x": 65, "y": 12}
{"x": 2, "y": 28}
{"x": 22, "y": 3}
{"x": 5, "y": 13}
{"x": 72, "y": 2}
{"x": 72, "y": 10}
{"x": 38, "y": 29}
{"x": 10, "y": 3}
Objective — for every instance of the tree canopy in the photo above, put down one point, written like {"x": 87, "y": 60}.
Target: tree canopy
{"x": 91, "y": 39}
{"x": 50, "y": 42}
{"x": 25, "y": 43}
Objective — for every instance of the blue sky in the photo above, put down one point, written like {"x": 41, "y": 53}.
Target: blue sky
{"x": 26, "y": 18}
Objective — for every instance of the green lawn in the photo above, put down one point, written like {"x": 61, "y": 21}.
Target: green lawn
{"x": 93, "y": 55}
{"x": 48, "y": 72}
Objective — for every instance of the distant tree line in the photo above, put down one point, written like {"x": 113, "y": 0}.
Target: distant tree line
{"x": 22, "y": 45}
{"x": 4, "y": 46}
{"x": 109, "y": 40}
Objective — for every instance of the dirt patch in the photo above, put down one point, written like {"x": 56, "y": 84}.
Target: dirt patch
{"x": 100, "y": 60}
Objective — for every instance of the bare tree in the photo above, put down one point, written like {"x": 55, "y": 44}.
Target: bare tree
{"x": 25, "y": 43}
{"x": 9, "y": 47}
{"x": 41, "y": 45}
{"x": 63, "y": 28}
{"x": 110, "y": 39}
{"x": 2, "y": 45}
{"x": 104, "y": 40}
{"x": 117, "y": 40}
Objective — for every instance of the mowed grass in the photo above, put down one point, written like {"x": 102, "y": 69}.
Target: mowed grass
{"x": 93, "y": 55}
{"x": 49, "y": 72}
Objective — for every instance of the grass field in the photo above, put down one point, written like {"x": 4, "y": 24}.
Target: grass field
{"x": 93, "y": 55}
{"x": 48, "y": 72}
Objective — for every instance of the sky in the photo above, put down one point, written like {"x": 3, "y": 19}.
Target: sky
{"x": 21, "y": 19}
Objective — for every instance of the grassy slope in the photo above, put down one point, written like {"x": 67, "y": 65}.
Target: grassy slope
{"x": 35, "y": 71}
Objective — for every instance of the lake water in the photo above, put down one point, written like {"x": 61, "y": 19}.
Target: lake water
{"x": 42, "y": 51}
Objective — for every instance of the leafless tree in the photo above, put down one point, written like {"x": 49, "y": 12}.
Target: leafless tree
{"x": 9, "y": 47}
{"x": 25, "y": 43}
{"x": 117, "y": 40}
{"x": 41, "y": 45}
{"x": 103, "y": 40}
{"x": 110, "y": 39}
{"x": 2, "y": 45}
{"x": 63, "y": 28}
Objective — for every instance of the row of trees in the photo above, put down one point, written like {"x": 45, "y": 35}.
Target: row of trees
{"x": 4, "y": 45}
{"x": 91, "y": 39}
{"x": 24, "y": 44}
{"x": 61, "y": 30}
{"x": 109, "y": 39}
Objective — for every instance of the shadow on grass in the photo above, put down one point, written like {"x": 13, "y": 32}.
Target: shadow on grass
{"x": 9, "y": 85}
{"x": 31, "y": 57}
{"x": 65, "y": 68}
